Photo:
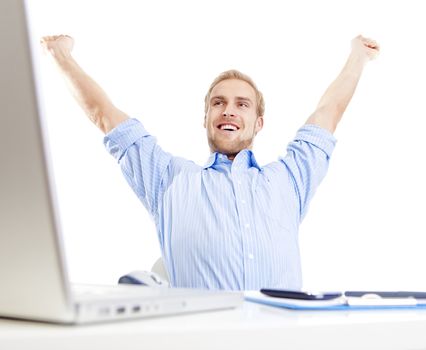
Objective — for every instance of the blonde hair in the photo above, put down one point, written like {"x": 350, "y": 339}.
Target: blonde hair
{"x": 235, "y": 74}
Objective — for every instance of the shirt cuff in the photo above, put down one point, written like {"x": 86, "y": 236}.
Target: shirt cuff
{"x": 317, "y": 136}
{"x": 123, "y": 136}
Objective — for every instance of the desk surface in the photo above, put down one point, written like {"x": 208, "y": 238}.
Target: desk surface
{"x": 251, "y": 326}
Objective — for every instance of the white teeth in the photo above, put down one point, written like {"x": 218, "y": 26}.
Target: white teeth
{"x": 228, "y": 127}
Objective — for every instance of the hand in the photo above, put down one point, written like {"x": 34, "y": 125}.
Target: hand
{"x": 59, "y": 46}
{"x": 365, "y": 47}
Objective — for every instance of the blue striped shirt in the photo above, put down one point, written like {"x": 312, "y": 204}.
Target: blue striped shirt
{"x": 227, "y": 224}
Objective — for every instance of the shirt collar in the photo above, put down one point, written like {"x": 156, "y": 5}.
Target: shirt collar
{"x": 245, "y": 156}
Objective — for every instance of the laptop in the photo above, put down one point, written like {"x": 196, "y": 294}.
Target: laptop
{"x": 33, "y": 272}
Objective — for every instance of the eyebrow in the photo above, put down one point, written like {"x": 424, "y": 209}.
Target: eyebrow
{"x": 244, "y": 99}
{"x": 217, "y": 98}
{"x": 239, "y": 98}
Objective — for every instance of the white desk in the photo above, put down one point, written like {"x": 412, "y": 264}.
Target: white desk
{"x": 251, "y": 326}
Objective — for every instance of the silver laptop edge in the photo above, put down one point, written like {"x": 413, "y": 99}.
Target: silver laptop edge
{"x": 27, "y": 221}
{"x": 34, "y": 278}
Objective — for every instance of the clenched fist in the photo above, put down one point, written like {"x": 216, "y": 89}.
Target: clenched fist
{"x": 59, "y": 46}
{"x": 365, "y": 47}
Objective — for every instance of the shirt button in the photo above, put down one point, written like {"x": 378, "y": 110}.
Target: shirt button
{"x": 239, "y": 182}
{"x": 251, "y": 256}
{"x": 247, "y": 225}
{"x": 243, "y": 201}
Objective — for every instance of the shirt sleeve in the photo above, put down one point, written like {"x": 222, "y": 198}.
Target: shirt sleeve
{"x": 143, "y": 163}
{"x": 307, "y": 160}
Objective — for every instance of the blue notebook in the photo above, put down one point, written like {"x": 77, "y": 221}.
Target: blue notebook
{"x": 345, "y": 301}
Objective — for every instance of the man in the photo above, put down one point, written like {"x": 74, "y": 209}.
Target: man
{"x": 230, "y": 224}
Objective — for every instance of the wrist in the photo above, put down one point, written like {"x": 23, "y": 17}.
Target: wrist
{"x": 60, "y": 56}
{"x": 356, "y": 62}
{"x": 62, "y": 60}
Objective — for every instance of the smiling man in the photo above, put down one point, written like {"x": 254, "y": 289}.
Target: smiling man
{"x": 234, "y": 113}
{"x": 230, "y": 224}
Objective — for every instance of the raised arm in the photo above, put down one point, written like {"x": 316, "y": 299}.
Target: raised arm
{"x": 89, "y": 95}
{"x": 336, "y": 98}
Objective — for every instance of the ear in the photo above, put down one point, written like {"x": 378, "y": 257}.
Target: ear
{"x": 205, "y": 119}
{"x": 259, "y": 124}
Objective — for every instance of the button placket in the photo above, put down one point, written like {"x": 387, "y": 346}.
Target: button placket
{"x": 241, "y": 182}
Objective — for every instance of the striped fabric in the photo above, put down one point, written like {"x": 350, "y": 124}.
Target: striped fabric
{"x": 230, "y": 224}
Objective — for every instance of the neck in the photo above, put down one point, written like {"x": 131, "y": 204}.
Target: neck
{"x": 230, "y": 156}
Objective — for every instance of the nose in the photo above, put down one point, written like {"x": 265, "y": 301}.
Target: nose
{"x": 228, "y": 114}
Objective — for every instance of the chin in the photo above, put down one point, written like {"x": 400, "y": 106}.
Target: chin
{"x": 229, "y": 148}
{"x": 225, "y": 149}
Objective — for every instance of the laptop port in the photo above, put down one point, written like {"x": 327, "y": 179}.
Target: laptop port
{"x": 121, "y": 310}
{"x": 136, "y": 309}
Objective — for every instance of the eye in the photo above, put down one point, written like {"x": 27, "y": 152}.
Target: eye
{"x": 217, "y": 103}
{"x": 243, "y": 104}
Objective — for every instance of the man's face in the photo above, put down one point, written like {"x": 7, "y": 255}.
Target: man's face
{"x": 231, "y": 120}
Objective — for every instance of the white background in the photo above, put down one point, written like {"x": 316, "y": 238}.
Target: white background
{"x": 156, "y": 59}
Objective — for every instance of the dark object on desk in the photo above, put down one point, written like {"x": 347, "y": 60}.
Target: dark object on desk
{"x": 146, "y": 278}
{"x": 292, "y": 294}
{"x": 387, "y": 294}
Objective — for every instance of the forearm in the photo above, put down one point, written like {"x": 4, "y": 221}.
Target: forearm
{"x": 89, "y": 95}
{"x": 336, "y": 98}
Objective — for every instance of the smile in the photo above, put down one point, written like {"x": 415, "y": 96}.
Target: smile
{"x": 228, "y": 127}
